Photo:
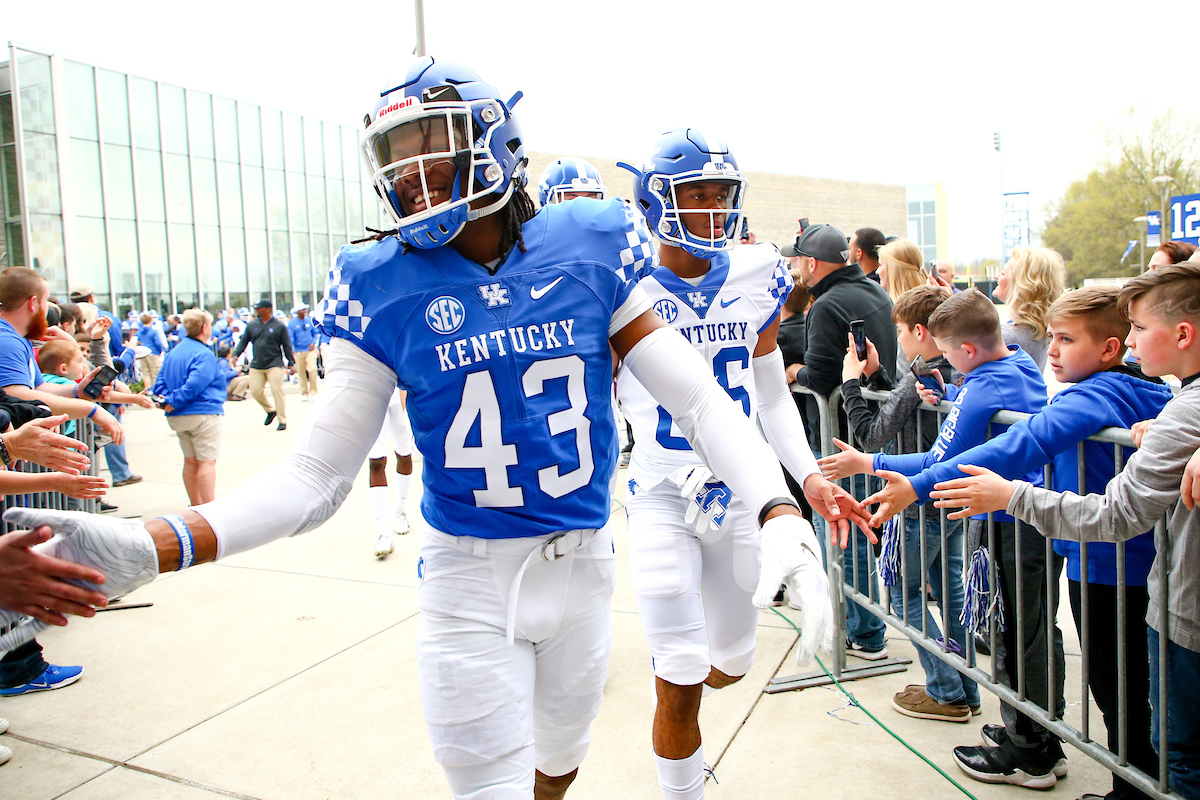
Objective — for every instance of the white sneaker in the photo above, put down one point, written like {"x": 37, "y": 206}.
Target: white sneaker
{"x": 400, "y": 523}
{"x": 5, "y": 754}
{"x": 304, "y": 398}
{"x": 383, "y": 545}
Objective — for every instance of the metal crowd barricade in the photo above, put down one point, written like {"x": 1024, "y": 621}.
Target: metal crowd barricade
{"x": 84, "y": 432}
{"x": 877, "y": 601}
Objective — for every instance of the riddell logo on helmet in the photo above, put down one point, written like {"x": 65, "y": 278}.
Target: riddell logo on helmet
{"x": 405, "y": 103}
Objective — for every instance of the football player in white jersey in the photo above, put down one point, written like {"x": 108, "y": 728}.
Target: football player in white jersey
{"x": 498, "y": 323}
{"x": 694, "y": 554}
{"x": 395, "y": 427}
{"x": 569, "y": 179}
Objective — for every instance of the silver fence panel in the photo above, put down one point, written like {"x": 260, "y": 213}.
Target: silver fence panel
{"x": 878, "y": 603}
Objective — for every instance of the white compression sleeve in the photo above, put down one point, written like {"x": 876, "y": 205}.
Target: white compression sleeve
{"x": 780, "y": 418}
{"x": 306, "y": 489}
{"x": 677, "y": 377}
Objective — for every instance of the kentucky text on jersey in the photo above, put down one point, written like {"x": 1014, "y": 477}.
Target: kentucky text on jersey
{"x": 473, "y": 349}
{"x": 717, "y": 332}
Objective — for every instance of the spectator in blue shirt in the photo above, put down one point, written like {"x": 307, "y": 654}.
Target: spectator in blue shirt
{"x": 303, "y": 334}
{"x": 149, "y": 336}
{"x": 192, "y": 388}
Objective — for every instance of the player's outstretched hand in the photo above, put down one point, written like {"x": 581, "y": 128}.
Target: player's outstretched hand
{"x": 123, "y": 552}
{"x": 790, "y": 555}
{"x": 37, "y": 442}
{"x": 846, "y": 463}
{"x": 984, "y": 491}
{"x": 35, "y": 584}
{"x": 708, "y": 498}
{"x": 838, "y": 508}
{"x": 893, "y": 498}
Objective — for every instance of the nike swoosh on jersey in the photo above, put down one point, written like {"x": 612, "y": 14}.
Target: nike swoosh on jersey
{"x": 538, "y": 294}
{"x": 728, "y": 303}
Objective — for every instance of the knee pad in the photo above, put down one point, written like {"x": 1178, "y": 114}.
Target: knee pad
{"x": 561, "y": 751}
{"x": 736, "y": 657}
{"x": 509, "y": 777}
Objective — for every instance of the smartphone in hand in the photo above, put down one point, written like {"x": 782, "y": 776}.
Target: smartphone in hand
{"x": 858, "y": 329}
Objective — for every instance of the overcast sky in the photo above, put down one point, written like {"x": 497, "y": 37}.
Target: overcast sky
{"x": 891, "y": 92}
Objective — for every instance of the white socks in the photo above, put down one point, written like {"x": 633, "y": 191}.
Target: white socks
{"x": 682, "y": 779}
{"x": 379, "y": 507}
{"x": 402, "y": 484}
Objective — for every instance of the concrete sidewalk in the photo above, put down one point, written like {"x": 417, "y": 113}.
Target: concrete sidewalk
{"x": 289, "y": 673}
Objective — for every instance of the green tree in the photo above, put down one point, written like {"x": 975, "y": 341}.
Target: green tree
{"x": 1092, "y": 223}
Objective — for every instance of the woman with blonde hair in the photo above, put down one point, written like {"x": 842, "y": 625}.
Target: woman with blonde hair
{"x": 900, "y": 267}
{"x": 1029, "y": 284}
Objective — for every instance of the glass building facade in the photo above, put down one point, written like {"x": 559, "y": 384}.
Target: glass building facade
{"x": 162, "y": 197}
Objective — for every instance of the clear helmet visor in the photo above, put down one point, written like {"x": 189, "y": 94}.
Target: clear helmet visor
{"x": 419, "y": 163}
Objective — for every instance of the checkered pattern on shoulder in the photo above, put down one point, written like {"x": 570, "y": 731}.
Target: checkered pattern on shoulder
{"x": 781, "y": 282}
{"x": 638, "y": 257}
{"x": 338, "y": 309}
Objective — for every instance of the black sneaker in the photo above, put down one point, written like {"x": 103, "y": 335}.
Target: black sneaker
{"x": 270, "y": 418}
{"x": 997, "y": 735}
{"x": 281, "y": 426}
{"x": 1008, "y": 764}
{"x": 107, "y": 508}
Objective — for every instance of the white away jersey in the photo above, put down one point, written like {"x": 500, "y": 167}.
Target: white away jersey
{"x": 738, "y": 297}
{"x": 508, "y": 373}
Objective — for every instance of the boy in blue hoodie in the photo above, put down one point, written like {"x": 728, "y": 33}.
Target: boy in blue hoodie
{"x": 1087, "y": 334}
{"x": 966, "y": 329}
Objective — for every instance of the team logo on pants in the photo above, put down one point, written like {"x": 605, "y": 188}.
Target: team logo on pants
{"x": 713, "y": 499}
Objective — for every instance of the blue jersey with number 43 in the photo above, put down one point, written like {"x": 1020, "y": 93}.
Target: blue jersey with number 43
{"x": 508, "y": 374}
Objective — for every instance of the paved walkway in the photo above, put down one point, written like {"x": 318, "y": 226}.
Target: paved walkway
{"x": 288, "y": 673}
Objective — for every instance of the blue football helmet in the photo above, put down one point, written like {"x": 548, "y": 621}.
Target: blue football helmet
{"x": 683, "y": 156}
{"x": 569, "y": 176}
{"x": 438, "y": 142}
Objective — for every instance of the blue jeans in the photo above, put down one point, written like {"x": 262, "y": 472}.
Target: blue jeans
{"x": 943, "y": 682}
{"x": 1183, "y": 724}
{"x": 862, "y": 627}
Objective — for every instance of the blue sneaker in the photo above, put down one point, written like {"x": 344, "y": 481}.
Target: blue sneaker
{"x": 53, "y": 678}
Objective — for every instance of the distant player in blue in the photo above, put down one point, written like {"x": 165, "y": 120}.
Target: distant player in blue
{"x": 498, "y": 323}
{"x": 694, "y": 548}
{"x": 569, "y": 179}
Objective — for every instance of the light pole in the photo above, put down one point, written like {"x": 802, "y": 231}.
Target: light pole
{"x": 1164, "y": 222}
{"x": 1144, "y": 220}
{"x": 1000, "y": 170}
{"x": 419, "y": 7}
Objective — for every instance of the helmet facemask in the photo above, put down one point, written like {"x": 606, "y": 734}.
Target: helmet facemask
{"x": 718, "y": 221}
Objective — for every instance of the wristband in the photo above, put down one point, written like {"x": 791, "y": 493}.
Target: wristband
{"x": 184, "y": 535}
{"x": 775, "y": 501}
{"x": 93, "y": 411}
{"x": 4, "y": 455}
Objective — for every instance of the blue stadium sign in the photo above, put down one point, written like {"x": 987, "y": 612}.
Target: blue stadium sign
{"x": 1184, "y": 220}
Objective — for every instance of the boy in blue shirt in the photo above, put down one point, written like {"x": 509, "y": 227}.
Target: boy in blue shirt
{"x": 1086, "y": 349}
{"x": 967, "y": 331}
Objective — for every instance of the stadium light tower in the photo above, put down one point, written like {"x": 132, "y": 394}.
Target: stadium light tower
{"x": 419, "y": 8}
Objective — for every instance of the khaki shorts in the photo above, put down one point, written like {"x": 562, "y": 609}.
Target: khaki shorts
{"x": 199, "y": 435}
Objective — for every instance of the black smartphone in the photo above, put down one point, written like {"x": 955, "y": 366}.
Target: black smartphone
{"x": 103, "y": 378}
{"x": 858, "y": 329}
{"x": 933, "y": 273}
{"x": 745, "y": 234}
{"x": 925, "y": 376}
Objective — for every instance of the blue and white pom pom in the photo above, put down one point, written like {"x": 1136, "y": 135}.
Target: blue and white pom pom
{"x": 889, "y": 551}
{"x": 979, "y": 605}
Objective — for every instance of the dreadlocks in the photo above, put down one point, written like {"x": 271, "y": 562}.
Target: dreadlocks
{"x": 516, "y": 212}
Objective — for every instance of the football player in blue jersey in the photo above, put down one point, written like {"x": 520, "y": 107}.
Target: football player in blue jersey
{"x": 498, "y": 323}
{"x": 694, "y": 554}
{"x": 568, "y": 179}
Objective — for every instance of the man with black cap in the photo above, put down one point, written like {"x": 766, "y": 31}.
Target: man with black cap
{"x": 272, "y": 351}
{"x": 842, "y": 293}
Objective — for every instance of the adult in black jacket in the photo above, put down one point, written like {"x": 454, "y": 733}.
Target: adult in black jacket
{"x": 272, "y": 352}
{"x": 842, "y": 293}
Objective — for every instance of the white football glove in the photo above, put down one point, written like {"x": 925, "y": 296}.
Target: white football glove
{"x": 791, "y": 556}
{"x": 122, "y": 551}
{"x": 708, "y": 497}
